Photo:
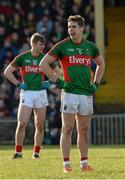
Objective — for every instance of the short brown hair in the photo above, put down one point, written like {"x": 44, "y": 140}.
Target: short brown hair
{"x": 36, "y": 37}
{"x": 77, "y": 18}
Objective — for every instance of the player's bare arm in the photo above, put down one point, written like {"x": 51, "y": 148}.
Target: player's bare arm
{"x": 58, "y": 71}
{"x": 8, "y": 73}
{"x": 100, "y": 68}
{"x": 45, "y": 67}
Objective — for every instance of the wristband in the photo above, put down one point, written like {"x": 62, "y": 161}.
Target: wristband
{"x": 18, "y": 84}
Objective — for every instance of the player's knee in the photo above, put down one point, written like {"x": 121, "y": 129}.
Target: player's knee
{"x": 67, "y": 130}
{"x": 83, "y": 132}
{"x": 22, "y": 125}
{"x": 39, "y": 126}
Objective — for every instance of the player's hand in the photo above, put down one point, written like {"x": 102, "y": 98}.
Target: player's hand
{"x": 64, "y": 85}
{"x": 68, "y": 87}
{"x": 60, "y": 83}
{"x": 22, "y": 85}
{"x": 46, "y": 84}
{"x": 93, "y": 87}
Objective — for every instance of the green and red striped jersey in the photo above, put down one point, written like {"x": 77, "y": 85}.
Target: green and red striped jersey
{"x": 75, "y": 60}
{"x": 29, "y": 69}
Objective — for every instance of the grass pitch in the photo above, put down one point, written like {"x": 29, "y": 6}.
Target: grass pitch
{"x": 108, "y": 161}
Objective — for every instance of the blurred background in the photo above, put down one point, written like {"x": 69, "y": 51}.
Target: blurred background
{"x": 105, "y": 25}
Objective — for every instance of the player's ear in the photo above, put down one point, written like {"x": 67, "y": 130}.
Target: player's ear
{"x": 82, "y": 28}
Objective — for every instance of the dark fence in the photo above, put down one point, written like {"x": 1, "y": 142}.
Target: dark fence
{"x": 105, "y": 129}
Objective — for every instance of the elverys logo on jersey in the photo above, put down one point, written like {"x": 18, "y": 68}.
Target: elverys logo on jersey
{"x": 85, "y": 60}
{"x": 32, "y": 69}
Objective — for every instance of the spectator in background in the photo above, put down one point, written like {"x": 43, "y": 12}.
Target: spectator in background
{"x": 4, "y": 100}
{"x": 16, "y": 100}
{"x": 17, "y": 23}
{"x": 3, "y": 109}
{"x": 54, "y": 116}
{"x": 30, "y": 23}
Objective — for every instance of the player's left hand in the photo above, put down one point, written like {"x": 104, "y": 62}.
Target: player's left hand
{"x": 93, "y": 87}
{"x": 46, "y": 84}
{"x": 22, "y": 85}
{"x": 68, "y": 87}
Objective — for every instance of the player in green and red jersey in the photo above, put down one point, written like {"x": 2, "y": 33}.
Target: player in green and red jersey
{"x": 75, "y": 55}
{"x": 33, "y": 96}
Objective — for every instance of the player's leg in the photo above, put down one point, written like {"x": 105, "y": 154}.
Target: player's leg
{"x": 69, "y": 108}
{"x": 24, "y": 113}
{"x": 83, "y": 120}
{"x": 65, "y": 140}
{"x": 40, "y": 104}
{"x": 83, "y": 124}
{"x": 39, "y": 119}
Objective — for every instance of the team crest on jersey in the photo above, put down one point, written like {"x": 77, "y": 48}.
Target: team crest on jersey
{"x": 35, "y": 62}
{"x": 79, "y": 50}
{"x": 87, "y": 51}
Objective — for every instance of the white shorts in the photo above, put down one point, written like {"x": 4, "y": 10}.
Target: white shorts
{"x": 34, "y": 99}
{"x": 75, "y": 103}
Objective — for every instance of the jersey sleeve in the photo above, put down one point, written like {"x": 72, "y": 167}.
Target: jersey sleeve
{"x": 95, "y": 50}
{"x": 17, "y": 62}
{"x": 55, "y": 51}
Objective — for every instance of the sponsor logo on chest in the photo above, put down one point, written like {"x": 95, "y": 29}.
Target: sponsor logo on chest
{"x": 32, "y": 69}
{"x": 80, "y": 60}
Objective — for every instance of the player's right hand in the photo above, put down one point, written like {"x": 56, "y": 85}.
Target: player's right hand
{"x": 64, "y": 85}
{"x": 22, "y": 85}
{"x": 60, "y": 83}
{"x": 68, "y": 87}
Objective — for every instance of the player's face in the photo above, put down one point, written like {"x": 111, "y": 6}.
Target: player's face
{"x": 38, "y": 47}
{"x": 74, "y": 30}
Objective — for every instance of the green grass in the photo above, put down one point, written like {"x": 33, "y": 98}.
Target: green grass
{"x": 108, "y": 161}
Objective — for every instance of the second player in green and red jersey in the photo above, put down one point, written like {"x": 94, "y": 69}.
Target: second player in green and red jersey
{"x": 29, "y": 69}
